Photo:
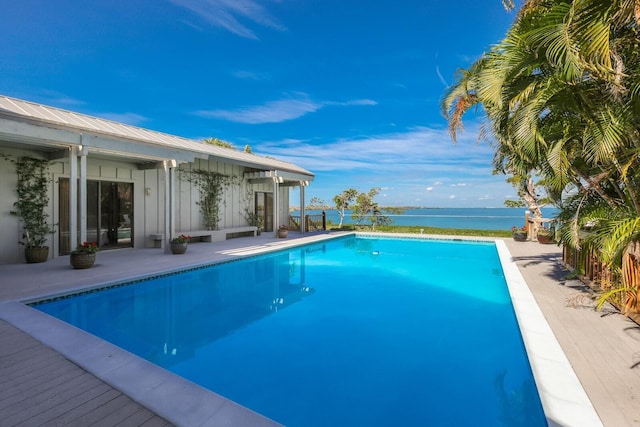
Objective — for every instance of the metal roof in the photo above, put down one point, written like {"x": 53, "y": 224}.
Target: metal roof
{"x": 62, "y": 119}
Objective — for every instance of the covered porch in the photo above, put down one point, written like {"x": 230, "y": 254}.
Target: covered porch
{"x": 96, "y": 161}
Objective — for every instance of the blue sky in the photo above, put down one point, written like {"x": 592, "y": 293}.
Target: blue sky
{"x": 349, "y": 89}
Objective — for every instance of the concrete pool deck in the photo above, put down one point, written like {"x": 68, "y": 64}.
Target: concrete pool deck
{"x": 603, "y": 350}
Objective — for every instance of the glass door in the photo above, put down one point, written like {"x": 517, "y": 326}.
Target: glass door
{"x": 112, "y": 216}
{"x": 264, "y": 210}
{"x": 109, "y": 214}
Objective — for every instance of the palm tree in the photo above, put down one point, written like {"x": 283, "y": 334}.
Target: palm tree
{"x": 560, "y": 98}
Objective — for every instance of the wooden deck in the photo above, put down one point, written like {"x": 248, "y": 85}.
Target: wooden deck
{"x": 603, "y": 347}
{"x": 42, "y": 388}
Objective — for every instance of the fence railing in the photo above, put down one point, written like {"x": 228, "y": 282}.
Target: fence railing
{"x": 314, "y": 222}
{"x": 602, "y": 278}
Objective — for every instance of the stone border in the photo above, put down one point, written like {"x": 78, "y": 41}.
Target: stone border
{"x": 563, "y": 398}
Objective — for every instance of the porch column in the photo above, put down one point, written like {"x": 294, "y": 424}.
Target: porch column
{"x": 169, "y": 203}
{"x": 82, "y": 182}
{"x": 303, "y": 223}
{"x": 276, "y": 205}
{"x": 172, "y": 185}
{"x": 73, "y": 197}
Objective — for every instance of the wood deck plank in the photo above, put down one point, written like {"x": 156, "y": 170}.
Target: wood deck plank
{"x": 600, "y": 346}
{"x": 41, "y": 387}
{"x": 23, "y": 386}
{"x": 71, "y": 416}
{"x": 124, "y": 414}
{"x": 104, "y": 411}
{"x": 43, "y": 400}
{"x": 45, "y": 417}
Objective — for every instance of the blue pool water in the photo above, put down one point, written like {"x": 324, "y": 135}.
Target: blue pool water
{"x": 353, "y": 331}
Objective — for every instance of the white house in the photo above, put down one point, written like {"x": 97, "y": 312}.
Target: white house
{"x": 124, "y": 186}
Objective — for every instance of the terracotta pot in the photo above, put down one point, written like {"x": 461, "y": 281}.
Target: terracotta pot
{"x": 178, "y": 248}
{"x": 82, "y": 260}
{"x": 545, "y": 239}
{"x": 36, "y": 254}
{"x": 283, "y": 233}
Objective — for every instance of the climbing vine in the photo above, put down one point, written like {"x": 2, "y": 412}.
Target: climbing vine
{"x": 33, "y": 199}
{"x": 211, "y": 186}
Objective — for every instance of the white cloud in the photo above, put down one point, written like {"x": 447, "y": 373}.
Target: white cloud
{"x": 427, "y": 153}
{"x": 250, "y": 75}
{"x": 355, "y": 102}
{"x": 441, "y": 78}
{"x": 271, "y": 112}
{"x": 278, "y": 111}
{"x": 232, "y": 15}
{"x": 412, "y": 163}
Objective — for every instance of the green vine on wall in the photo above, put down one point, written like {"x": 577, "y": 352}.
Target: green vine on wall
{"x": 33, "y": 199}
{"x": 211, "y": 186}
{"x": 247, "y": 195}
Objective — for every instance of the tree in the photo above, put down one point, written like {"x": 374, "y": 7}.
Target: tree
{"x": 343, "y": 202}
{"x": 366, "y": 208}
{"x": 560, "y": 96}
{"x": 220, "y": 143}
{"x": 247, "y": 149}
{"x": 316, "y": 202}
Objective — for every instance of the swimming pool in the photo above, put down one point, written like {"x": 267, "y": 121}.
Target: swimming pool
{"x": 360, "y": 331}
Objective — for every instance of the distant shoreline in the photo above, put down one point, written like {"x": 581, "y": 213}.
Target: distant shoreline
{"x": 461, "y": 218}
{"x": 326, "y": 208}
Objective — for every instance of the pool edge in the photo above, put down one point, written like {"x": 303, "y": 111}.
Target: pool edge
{"x": 564, "y": 400}
{"x": 170, "y": 396}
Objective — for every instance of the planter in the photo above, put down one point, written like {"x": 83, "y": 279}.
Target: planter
{"x": 545, "y": 239}
{"x": 82, "y": 260}
{"x": 178, "y": 248}
{"x": 36, "y": 254}
{"x": 283, "y": 233}
{"x": 520, "y": 237}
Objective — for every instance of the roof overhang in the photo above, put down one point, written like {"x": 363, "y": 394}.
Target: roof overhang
{"x": 284, "y": 178}
{"x": 56, "y": 131}
{"x": 51, "y": 139}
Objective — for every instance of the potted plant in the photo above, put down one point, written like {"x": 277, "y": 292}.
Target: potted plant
{"x": 545, "y": 236}
{"x": 31, "y": 206}
{"x": 84, "y": 256}
{"x": 519, "y": 233}
{"x": 179, "y": 244}
{"x": 283, "y": 231}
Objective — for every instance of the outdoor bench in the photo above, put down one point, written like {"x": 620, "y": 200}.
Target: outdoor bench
{"x": 208, "y": 235}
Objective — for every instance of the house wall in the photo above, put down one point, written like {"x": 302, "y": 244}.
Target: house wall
{"x": 10, "y": 250}
{"x": 149, "y": 199}
{"x": 97, "y": 169}
{"x": 238, "y": 197}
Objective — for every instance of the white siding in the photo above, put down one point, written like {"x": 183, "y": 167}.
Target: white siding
{"x": 149, "y": 199}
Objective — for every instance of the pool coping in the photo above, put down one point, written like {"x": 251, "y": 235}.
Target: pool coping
{"x": 184, "y": 403}
{"x": 563, "y": 398}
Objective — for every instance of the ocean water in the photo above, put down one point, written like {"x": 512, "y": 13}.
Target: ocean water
{"x": 463, "y": 218}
